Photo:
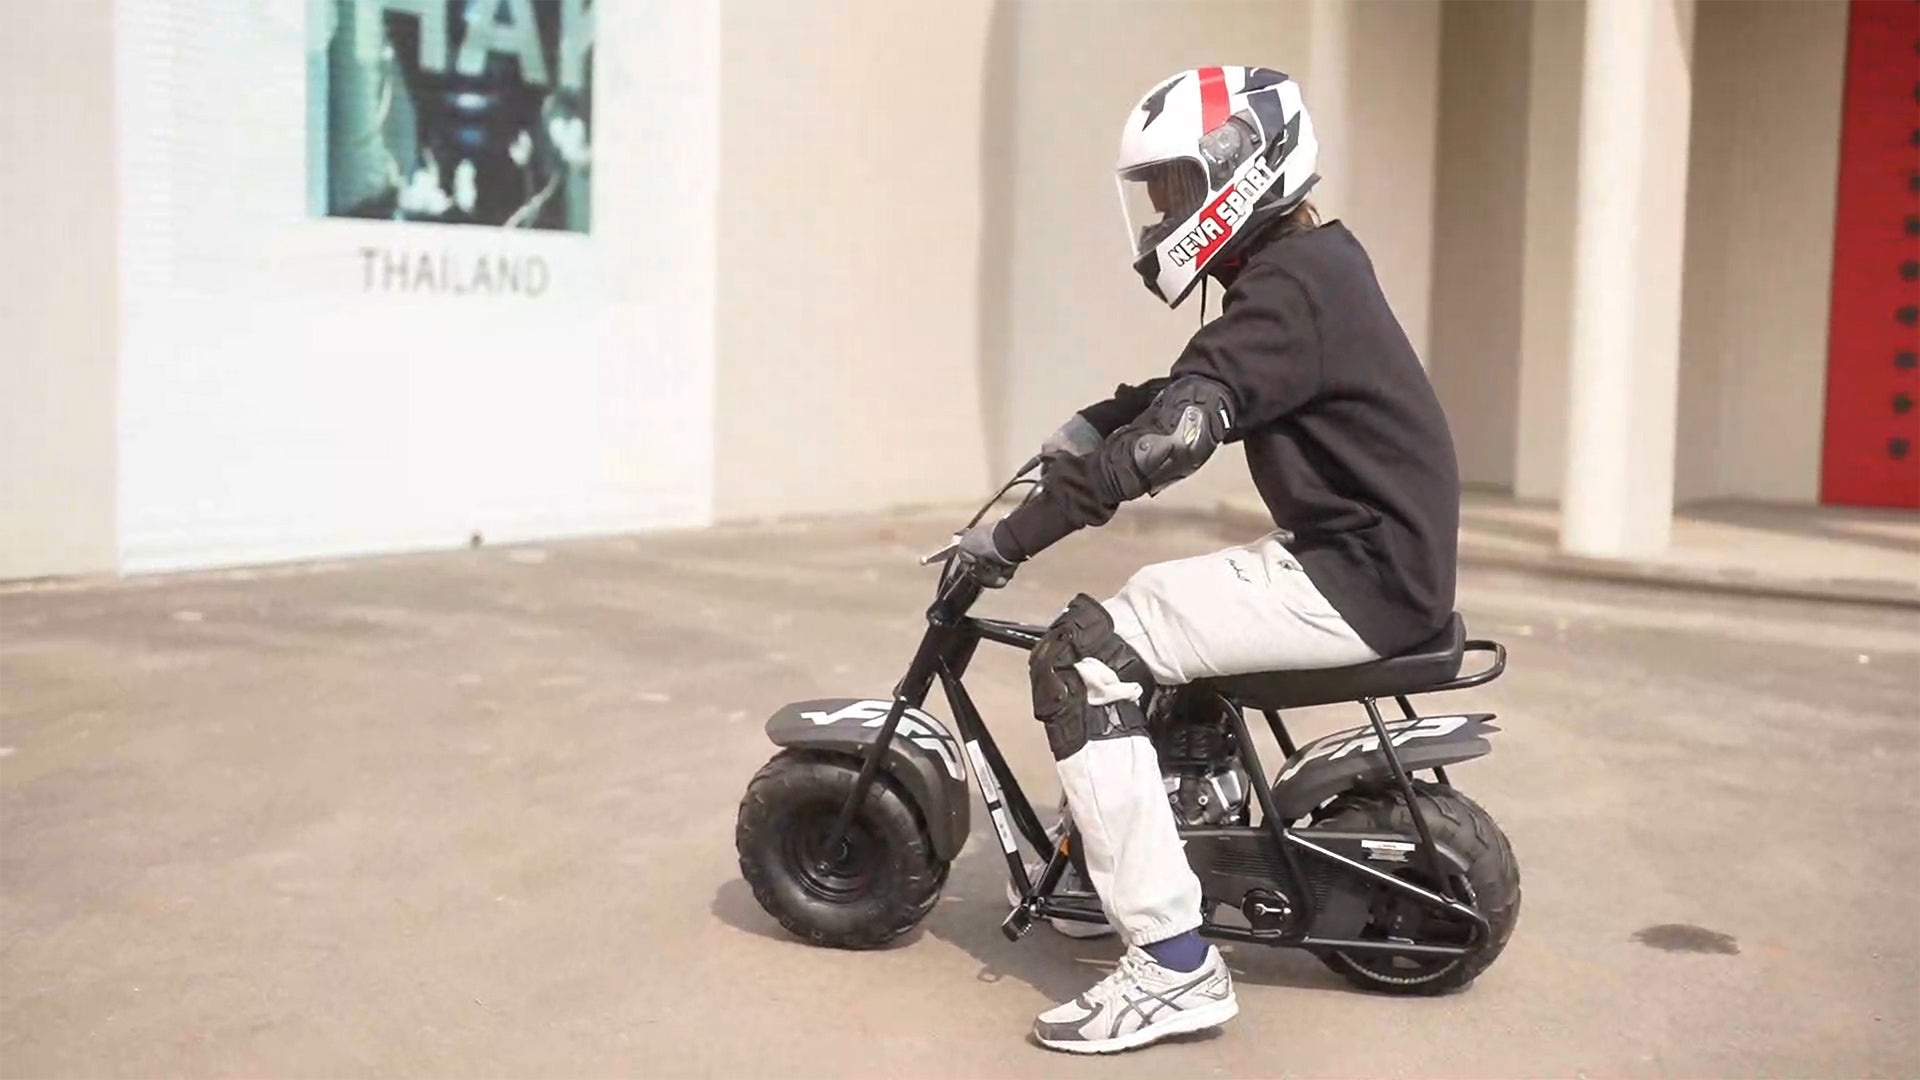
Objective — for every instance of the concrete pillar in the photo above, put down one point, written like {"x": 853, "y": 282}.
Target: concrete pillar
{"x": 1481, "y": 189}
{"x": 59, "y": 294}
{"x": 1552, "y": 141}
{"x": 1624, "y": 373}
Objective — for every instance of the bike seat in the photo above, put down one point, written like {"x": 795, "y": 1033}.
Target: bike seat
{"x": 1426, "y": 665}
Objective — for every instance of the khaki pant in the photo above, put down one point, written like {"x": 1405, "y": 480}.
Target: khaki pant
{"x": 1246, "y": 609}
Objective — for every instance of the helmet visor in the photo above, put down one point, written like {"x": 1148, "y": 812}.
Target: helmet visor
{"x": 1158, "y": 198}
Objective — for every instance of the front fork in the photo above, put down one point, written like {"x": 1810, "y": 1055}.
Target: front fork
{"x": 945, "y": 651}
{"x": 869, "y": 769}
{"x": 911, "y": 692}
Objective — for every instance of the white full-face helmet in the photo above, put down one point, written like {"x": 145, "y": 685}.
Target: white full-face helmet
{"x": 1206, "y": 158}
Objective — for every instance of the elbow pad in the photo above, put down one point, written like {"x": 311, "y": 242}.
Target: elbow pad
{"x": 1176, "y": 435}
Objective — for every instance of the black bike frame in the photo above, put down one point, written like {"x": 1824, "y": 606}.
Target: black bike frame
{"x": 947, "y": 649}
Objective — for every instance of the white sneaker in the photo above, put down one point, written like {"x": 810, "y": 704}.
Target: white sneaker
{"x": 1140, "y": 1003}
{"x": 1069, "y": 882}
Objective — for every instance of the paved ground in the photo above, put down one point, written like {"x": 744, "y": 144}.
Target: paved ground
{"x": 471, "y": 814}
{"x": 1815, "y": 552}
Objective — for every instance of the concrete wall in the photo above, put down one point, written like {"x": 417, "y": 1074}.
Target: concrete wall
{"x": 1388, "y": 129}
{"x": 287, "y": 389}
{"x": 904, "y": 308}
{"x": 849, "y": 254}
{"x": 1758, "y": 235}
{"x": 58, "y": 292}
{"x": 1479, "y": 237}
{"x": 1760, "y": 248}
{"x": 1077, "y": 320}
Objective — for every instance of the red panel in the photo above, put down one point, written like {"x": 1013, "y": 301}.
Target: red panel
{"x": 1871, "y": 455}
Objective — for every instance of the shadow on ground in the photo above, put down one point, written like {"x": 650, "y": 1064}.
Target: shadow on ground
{"x": 968, "y": 917}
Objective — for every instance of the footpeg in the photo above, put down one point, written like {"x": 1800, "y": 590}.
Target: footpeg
{"x": 1017, "y": 923}
{"x": 1268, "y": 913}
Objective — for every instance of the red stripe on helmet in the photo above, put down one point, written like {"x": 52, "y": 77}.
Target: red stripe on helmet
{"x": 1213, "y": 98}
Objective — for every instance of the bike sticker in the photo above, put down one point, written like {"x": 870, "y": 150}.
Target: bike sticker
{"x": 1006, "y": 834}
{"x": 1386, "y": 850}
{"x": 1341, "y": 743}
{"x": 988, "y": 785}
{"x": 990, "y": 790}
{"x": 916, "y": 726}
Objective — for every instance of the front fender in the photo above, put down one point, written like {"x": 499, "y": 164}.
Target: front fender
{"x": 1333, "y": 763}
{"x": 922, "y": 757}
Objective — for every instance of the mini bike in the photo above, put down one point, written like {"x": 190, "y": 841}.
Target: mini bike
{"x": 1393, "y": 879}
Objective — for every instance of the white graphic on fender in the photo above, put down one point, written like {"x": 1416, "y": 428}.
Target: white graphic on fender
{"x": 1363, "y": 741}
{"x": 916, "y": 726}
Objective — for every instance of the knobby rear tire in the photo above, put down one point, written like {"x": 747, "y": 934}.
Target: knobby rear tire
{"x": 1460, "y": 824}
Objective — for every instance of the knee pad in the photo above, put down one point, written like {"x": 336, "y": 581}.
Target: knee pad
{"x": 1084, "y": 632}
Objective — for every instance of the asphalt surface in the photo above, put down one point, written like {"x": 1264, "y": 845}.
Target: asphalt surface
{"x": 472, "y": 814}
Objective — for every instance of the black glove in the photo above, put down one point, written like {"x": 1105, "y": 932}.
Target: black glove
{"x": 982, "y": 559}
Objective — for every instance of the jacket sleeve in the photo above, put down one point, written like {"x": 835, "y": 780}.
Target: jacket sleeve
{"x": 1070, "y": 500}
{"x": 1264, "y": 348}
{"x": 1126, "y": 404}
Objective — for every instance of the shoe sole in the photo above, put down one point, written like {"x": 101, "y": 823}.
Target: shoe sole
{"x": 1184, "y": 1022}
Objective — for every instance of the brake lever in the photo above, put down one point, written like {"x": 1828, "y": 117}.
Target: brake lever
{"x": 937, "y": 556}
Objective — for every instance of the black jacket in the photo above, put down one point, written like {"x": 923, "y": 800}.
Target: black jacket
{"x": 1344, "y": 437}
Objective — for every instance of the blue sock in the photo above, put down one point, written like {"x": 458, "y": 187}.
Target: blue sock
{"x": 1183, "y": 953}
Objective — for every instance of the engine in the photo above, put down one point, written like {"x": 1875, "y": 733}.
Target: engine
{"x": 1199, "y": 761}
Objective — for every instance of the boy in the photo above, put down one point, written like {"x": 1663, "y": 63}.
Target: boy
{"x": 1347, "y": 446}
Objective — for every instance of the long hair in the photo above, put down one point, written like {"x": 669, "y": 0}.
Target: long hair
{"x": 1299, "y": 219}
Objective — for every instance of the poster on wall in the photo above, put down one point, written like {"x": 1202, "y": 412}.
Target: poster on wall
{"x": 468, "y": 112}
{"x": 390, "y": 277}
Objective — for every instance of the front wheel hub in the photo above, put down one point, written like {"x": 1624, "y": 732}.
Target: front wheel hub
{"x": 840, "y": 872}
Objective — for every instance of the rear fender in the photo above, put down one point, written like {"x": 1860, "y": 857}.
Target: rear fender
{"x": 922, "y": 757}
{"x": 1333, "y": 763}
